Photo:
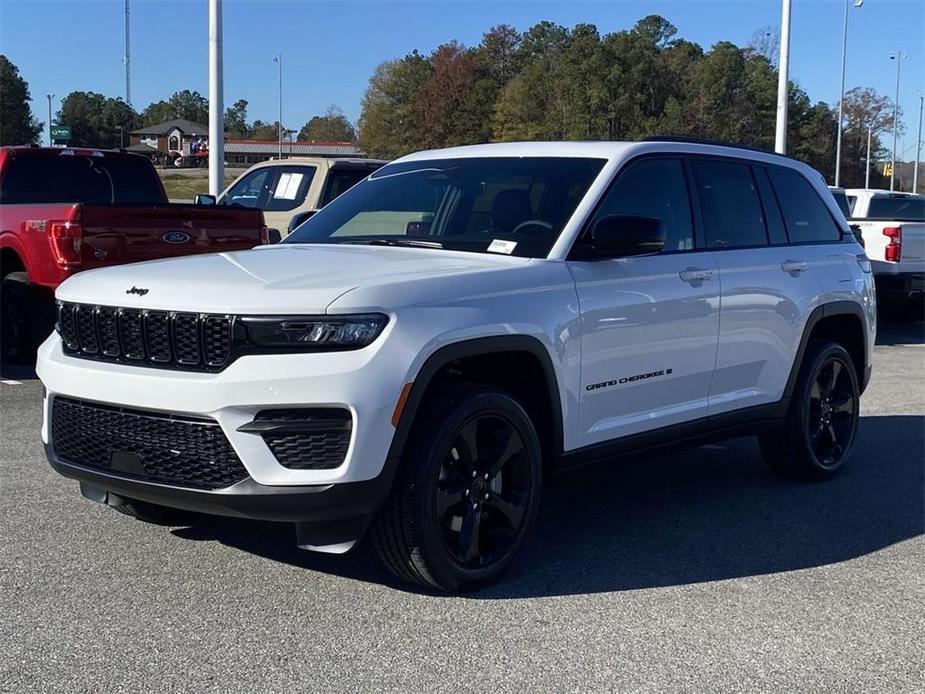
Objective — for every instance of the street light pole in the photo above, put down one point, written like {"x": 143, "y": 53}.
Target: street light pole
{"x": 278, "y": 58}
{"x": 216, "y": 126}
{"x": 870, "y": 130}
{"x": 50, "y": 97}
{"x": 918, "y": 149}
{"x": 780, "y": 136}
{"x": 899, "y": 60}
{"x": 841, "y": 98}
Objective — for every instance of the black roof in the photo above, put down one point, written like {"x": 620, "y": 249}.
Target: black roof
{"x": 187, "y": 127}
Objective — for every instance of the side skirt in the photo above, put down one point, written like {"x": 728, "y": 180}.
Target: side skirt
{"x": 747, "y": 422}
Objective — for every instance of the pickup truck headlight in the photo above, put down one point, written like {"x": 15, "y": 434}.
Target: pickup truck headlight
{"x": 309, "y": 333}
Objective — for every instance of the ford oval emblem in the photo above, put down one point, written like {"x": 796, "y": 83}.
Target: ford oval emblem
{"x": 175, "y": 237}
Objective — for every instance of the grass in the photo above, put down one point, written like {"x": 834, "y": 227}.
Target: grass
{"x": 185, "y": 187}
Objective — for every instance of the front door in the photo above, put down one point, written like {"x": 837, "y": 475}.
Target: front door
{"x": 649, "y": 324}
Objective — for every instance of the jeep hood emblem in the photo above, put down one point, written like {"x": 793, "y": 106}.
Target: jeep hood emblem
{"x": 136, "y": 290}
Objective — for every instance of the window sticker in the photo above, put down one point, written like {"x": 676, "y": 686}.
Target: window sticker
{"x": 288, "y": 186}
{"x": 502, "y": 246}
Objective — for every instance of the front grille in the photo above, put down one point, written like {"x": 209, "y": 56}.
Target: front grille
{"x": 165, "y": 339}
{"x": 307, "y": 439}
{"x": 169, "y": 449}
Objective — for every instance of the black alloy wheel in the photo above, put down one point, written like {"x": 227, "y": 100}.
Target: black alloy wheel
{"x": 831, "y": 415}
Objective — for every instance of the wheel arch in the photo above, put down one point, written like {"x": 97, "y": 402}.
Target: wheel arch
{"x": 11, "y": 260}
{"x": 481, "y": 351}
{"x": 842, "y": 322}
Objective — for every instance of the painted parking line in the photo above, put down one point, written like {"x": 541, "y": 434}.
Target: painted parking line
{"x": 11, "y": 383}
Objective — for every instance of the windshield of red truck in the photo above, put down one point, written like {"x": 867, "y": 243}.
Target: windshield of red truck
{"x": 94, "y": 180}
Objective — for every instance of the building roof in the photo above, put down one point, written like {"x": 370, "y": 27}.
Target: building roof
{"x": 304, "y": 149}
{"x": 140, "y": 148}
{"x": 187, "y": 127}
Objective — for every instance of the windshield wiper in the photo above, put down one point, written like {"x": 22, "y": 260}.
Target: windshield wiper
{"x": 404, "y": 242}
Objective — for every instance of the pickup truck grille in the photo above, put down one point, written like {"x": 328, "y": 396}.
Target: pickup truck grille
{"x": 165, "y": 339}
{"x": 164, "y": 448}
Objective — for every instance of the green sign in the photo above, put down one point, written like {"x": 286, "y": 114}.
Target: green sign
{"x": 61, "y": 133}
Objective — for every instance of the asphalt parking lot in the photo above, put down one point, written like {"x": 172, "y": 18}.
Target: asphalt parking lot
{"x": 697, "y": 572}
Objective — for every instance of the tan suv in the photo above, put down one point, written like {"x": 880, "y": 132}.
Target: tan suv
{"x": 289, "y": 191}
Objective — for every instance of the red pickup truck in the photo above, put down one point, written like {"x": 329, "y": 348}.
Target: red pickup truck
{"x": 67, "y": 210}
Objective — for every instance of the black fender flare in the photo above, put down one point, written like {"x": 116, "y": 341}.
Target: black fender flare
{"x": 834, "y": 308}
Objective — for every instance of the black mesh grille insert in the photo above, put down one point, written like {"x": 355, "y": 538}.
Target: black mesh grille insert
{"x": 193, "y": 341}
{"x": 309, "y": 438}
{"x": 170, "y": 449}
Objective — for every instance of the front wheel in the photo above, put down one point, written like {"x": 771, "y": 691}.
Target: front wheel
{"x": 467, "y": 494}
{"x": 819, "y": 430}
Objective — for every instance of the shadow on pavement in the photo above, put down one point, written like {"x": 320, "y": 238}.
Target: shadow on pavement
{"x": 709, "y": 514}
{"x": 16, "y": 372}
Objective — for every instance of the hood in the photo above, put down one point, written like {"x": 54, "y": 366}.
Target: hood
{"x": 285, "y": 278}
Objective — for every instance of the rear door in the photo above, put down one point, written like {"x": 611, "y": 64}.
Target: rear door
{"x": 648, "y": 324}
{"x": 767, "y": 285}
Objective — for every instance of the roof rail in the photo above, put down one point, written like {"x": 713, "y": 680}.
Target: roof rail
{"x": 705, "y": 141}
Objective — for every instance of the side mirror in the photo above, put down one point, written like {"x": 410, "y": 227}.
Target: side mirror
{"x": 203, "y": 199}
{"x": 273, "y": 235}
{"x": 619, "y": 236}
{"x": 298, "y": 218}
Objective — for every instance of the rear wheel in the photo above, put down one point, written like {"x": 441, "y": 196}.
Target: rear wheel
{"x": 467, "y": 494}
{"x": 819, "y": 430}
{"x": 17, "y": 319}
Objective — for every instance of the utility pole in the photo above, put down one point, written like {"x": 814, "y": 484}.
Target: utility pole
{"x": 127, "y": 59}
{"x": 50, "y": 97}
{"x": 898, "y": 57}
{"x": 216, "y": 127}
{"x": 780, "y": 137}
{"x": 918, "y": 150}
{"x": 841, "y": 99}
{"x": 870, "y": 130}
{"x": 278, "y": 58}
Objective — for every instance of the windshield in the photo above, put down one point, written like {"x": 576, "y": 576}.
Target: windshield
{"x": 510, "y": 205}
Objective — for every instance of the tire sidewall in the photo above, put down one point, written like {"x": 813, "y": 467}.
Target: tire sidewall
{"x": 825, "y": 353}
{"x": 429, "y": 457}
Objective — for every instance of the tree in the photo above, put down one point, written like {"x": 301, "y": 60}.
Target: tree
{"x": 441, "y": 96}
{"x": 864, "y": 108}
{"x": 186, "y": 104}
{"x": 390, "y": 124}
{"x": 95, "y": 119}
{"x": 17, "y": 124}
{"x": 267, "y": 132}
{"x": 333, "y": 126}
{"x": 235, "y": 122}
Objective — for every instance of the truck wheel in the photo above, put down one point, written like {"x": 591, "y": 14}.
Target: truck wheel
{"x": 17, "y": 333}
{"x": 819, "y": 430}
{"x": 153, "y": 513}
{"x": 466, "y": 495}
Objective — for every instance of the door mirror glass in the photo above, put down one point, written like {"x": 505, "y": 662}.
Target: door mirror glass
{"x": 298, "y": 219}
{"x": 203, "y": 199}
{"x": 618, "y": 236}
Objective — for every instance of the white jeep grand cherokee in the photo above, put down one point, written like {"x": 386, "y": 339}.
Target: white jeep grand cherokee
{"x": 418, "y": 357}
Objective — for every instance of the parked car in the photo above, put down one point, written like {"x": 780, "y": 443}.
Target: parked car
{"x": 63, "y": 211}
{"x": 893, "y": 227}
{"x": 289, "y": 191}
{"x": 418, "y": 357}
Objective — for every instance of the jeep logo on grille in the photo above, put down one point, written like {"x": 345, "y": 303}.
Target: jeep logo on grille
{"x": 136, "y": 290}
{"x": 175, "y": 237}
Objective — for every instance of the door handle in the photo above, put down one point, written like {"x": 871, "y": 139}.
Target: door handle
{"x": 695, "y": 274}
{"x": 794, "y": 266}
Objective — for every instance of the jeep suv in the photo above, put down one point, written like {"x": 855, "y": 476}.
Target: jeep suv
{"x": 417, "y": 358}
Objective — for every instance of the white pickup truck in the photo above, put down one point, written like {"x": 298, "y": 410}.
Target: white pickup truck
{"x": 893, "y": 228}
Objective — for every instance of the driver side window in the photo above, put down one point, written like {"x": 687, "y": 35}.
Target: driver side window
{"x": 654, "y": 188}
{"x": 250, "y": 191}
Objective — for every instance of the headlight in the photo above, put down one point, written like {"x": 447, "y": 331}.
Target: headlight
{"x": 307, "y": 333}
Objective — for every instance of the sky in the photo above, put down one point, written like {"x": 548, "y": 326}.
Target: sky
{"x": 331, "y": 47}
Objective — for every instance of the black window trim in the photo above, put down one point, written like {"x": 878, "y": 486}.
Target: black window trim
{"x": 574, "y": 253}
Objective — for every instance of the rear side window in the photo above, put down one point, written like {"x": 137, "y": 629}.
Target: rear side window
{"x": 290, "y": 188}
{"x": 842, "y": 201}
{"x": 73, "y": 178}
{"x": 732, "y": 211}
{"x": 900, "y": 209}
{"x": 654, "y": 188}
{"x": 807, "y": 218}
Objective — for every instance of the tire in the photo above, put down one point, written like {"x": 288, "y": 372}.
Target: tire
{"x": 18, "y": 341}
{"x": 818, "y": 433}
{"x": 457, "y": 520}
{"x": 153, "y": 513}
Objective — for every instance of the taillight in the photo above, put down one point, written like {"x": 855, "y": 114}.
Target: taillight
{"x": 66, "y": 240}
{"x": 894, "y": 250}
